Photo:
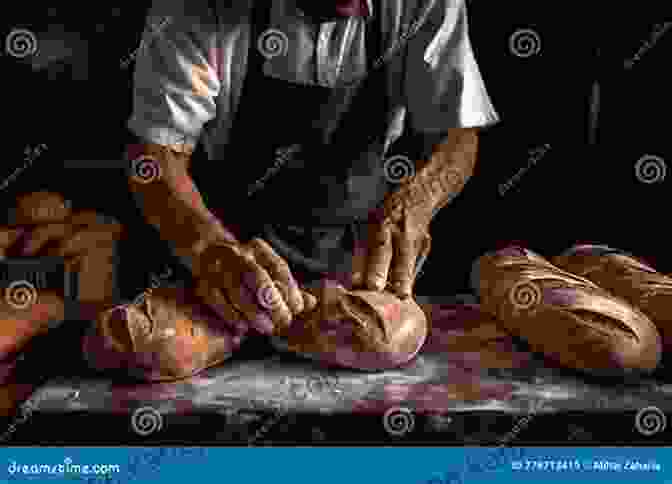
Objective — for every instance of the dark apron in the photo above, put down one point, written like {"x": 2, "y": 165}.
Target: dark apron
{"x": 311, "y": 210}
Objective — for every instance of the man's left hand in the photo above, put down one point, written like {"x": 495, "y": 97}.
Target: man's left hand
{"x": 398, "y": 234}
{"x": 394, "y": 243}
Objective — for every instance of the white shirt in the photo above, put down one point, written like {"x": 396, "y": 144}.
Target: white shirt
{"x": 190, "y": 71}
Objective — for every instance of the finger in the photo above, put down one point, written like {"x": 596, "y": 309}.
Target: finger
{"x": 241, "y": 283}
{"x": 309, "y": 302}
{"x": 43, "y": 235}
{"x": 359, "y": 256}
{"x": 85, "y": 217}
{"x": 39, "y": 208}
{"x": 265, "y": 295}
{"x": 217, "y": 301}
{"x": 89, "y": 238}
{"x": 245, "y": 301}
{"x": 379, "y": 258}
{"x": 280, "y": 272}
{"x": 9, "y": 236}
{"x": 426, "y": 247}
{"x": 402, "y": 272}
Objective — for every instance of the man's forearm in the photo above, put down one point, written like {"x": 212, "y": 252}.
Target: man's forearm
{"x": 172, "y": 203}
{"x": 443, "y": 175}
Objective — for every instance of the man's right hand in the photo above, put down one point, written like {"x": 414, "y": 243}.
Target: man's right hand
{"x": 246, "y": 284}
{"x": 249, "y": 285}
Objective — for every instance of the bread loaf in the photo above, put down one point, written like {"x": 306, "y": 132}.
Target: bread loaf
{"x": 564, "y": 316}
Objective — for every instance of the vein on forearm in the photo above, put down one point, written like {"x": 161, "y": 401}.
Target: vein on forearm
{"x": 451, "y": 165}
{"x": 442, "y": 176}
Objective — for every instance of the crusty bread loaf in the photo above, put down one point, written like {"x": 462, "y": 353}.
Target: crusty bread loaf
{"x": 365, "y": 330}
{"x": 168, "y": 336}
{"x": 627, "y": 277}
{"x": 564, "y": 316}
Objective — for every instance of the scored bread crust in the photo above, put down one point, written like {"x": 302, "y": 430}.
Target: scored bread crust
{"x": 564, "y": 316}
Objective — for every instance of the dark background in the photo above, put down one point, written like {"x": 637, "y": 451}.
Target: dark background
{"x": 582, "y": 189}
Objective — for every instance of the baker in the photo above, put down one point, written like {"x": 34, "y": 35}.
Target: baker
{"x": 281, "y": 144}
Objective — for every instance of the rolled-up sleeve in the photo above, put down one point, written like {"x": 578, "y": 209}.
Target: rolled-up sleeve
{"x": 443, "y": 85}
{"x": 176, "y": 81}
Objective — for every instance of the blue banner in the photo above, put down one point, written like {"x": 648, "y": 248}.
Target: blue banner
{"x": 324, "y": 465}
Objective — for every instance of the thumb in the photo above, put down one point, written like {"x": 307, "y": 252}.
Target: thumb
{"x": 309, "y": 301}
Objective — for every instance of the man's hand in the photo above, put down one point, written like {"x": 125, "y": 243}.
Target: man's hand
{"x": 44, "y": 225}
{"x": 78, "y": 234}
{"x": 394, "y": 244}
{"x": 398, "y": 234}
{"x": 250, "y": 285}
